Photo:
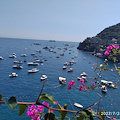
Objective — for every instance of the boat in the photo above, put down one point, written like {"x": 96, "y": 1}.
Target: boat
{"x": 39, "y": 61}
{"x": 17, "y": 66}
{"x": 34, "y": 70}
{"x": 104, "y": 88}
{"x": 19, "y": 62}
{"x": 83, "y": 74}
{"x": 62, "y": 80}
{"x": 108, "y": 83}
{"x": 23, "y": 55}
{"x": 1, "y": 58}
{"x": 78, "y": 105}
{"x": 64, "y": 67}
{"x": 13, "y": 75}
{"x": 12, "y": 56}
{"x": 44, "y": 77}
{"x": 33, "y": 63}
{"x": 70, "y": 70}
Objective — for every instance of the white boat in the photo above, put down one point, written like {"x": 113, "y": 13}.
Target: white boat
{"x": 64, "y": 67}
{"x": 104, "y": 88}
{"x": 62, "y": 80}
{"x": 78, "y": 105}
{"x": 1, "y": 58}
{"x": 33, "y": 63}
{"x": 13, "y": 75}
{"x": 108, "y": 83}
{"x": 44, "y": 77}
{"x": 12, "y": 56}
{"x": 20, "y": 62}
{"x": 34, "y": 70}
{"x": 17, "y": 66}
{"x": 70, "y": 70}
{"x": 83, "y": 74}
{"x": 23, "y": 55}
{"x": 39, "y": 61}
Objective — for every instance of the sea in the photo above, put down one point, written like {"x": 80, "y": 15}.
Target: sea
{"x": 26, "y": 87}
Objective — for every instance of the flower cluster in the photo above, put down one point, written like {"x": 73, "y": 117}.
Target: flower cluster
{"x": 109, "y": 48}
{"x": 71, "y": 83}
{"x": 81, "y": 87}
{"x": 34, "y": 111}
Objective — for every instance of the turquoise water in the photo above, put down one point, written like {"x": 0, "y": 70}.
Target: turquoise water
{"x": 26, "y": 87}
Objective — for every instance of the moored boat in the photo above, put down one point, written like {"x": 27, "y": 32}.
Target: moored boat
{"x": 19, "y": 62}
{"x": 109, "y": 83}
{"x": 34, "y": 70}
{"x": 1, "y": 58}
{"x": 13, "y": 75}
{"x": 33, "y": 63}
{"x": 83, "y": 74}
{"x": 64, "y": 67}
{"x": 70, "y": 70}
{"x": 104, "y": 88}
{"x": 17, "y": 66}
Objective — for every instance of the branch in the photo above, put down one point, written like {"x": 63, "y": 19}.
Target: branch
{"x": 40, "y": 92}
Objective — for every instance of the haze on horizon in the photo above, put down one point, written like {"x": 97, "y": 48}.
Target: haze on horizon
{"x": 64, "y": 20}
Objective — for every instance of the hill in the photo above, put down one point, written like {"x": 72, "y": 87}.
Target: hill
{"x": 99, "y": 42}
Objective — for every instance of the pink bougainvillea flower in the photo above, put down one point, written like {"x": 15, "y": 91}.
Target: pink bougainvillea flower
{"x": 83, "y": 83}
{"x": 40, "y": 108}
{"x": 69, "y": 87}
{"x": 71, "y": 83}
{"x": 81, "y": 80}
{"x": 56, "y": 102}
{"x": 86, "y": 88}
{"x": 36, "y": 118}
{"x": 81, "y": 86}
{"x": 94, "y": 84}
{"x": 106, "y": 53}
{"x": 109, "y": 48}
{"x": 33, "y": 106}
{"x": 113, "y": 46}
{"x": 45, "y": 103}
{"x": 117, "y": 46}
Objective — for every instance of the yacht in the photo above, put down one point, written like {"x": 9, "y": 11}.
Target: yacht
{"x": 1, "y": 58}
{"x": 13, "y": 75}
{"x": 19, "y": 62}
{"x": 23, "y": 55}
{"x": 104, "y": 88}
{"x": 33, "y": 63}
{"x": 17, "y": 66}
{"x": 34, "y": 70}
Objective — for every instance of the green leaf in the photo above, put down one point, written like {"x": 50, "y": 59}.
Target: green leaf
{"x": 118, "y": 68}
{"x": 50, "y": 116}
{"x": 102, "y": 114}
{"x": 12, "y": 102}
{"x": 47, "y": 97}
{"x": 1, "y": 98}
{"x": 82, "y": 116}
{"x": 63, "y": 113}
{"x": 22, "y": 109}
{"x": 87, "y": 114}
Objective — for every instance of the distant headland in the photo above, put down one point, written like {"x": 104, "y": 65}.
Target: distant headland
{"x": 97, "y": 44}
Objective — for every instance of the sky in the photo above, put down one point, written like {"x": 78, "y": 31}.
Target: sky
{"x": 60, "y": 20}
